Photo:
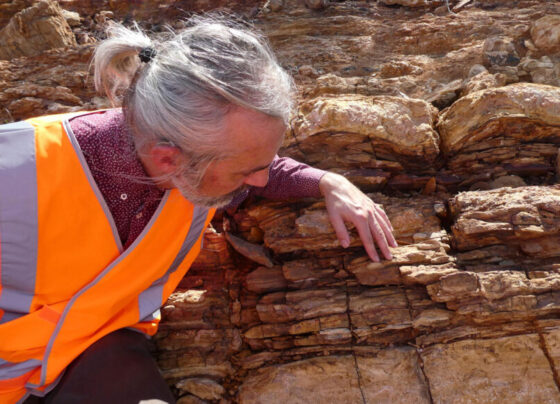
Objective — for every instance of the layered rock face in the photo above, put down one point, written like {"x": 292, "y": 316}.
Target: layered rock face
{"x": 445, "y": 113}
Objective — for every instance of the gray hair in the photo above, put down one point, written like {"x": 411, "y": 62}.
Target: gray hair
{"x": 197, "y": 75}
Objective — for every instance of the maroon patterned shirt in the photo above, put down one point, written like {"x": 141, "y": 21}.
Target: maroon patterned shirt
{"x": 130, "y": 195}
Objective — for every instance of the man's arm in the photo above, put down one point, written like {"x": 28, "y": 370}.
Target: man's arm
{"x": 344, "y": 201}
{"x": 290, "y": 179}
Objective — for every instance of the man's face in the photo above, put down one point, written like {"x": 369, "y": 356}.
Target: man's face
{"x": 253, "y": 139}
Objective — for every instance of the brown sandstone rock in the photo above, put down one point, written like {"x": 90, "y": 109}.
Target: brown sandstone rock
{"x": 499, "y": 51}
{"x": 483, "y": 81}
{"x": 274, "y": 5}
{"x": 545, "y": 33}
{"x": 206, "y": 389}
{"x": 364, "y": 131}
{"x": 366, "y": 378}
{"x": 41, "y": 85}
{"x": 530, "y": 102}
{"x": 316, "y": 4}
{"x": 378, "y": 381}
{"x": 158, "y": 11}
{"x": 526, "y": 217}
{"x": 34, "y": 30}
{"x": 552, "y": 346}
{"x": 309, "y": 229}
{"x": 412, "y": 3}
{"x": 296, "y": 382}
{"x": 512, "y": 369}
{"x": 542, "y": 71}
{"x": 521, "y": 137}
{"x": 476, "y": 301}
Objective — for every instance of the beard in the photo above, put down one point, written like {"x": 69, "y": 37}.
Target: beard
{"x": 193, "y": 195}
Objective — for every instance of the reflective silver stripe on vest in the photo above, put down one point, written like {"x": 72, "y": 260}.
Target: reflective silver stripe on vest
{"x": 10, "y": 370}
{"x": 93, "y": 184}
{"x": 90, "y": 285}
{"x": 156, "y": 315}
{"x": 152, "y": 298}
{"x": 18, "y": 218}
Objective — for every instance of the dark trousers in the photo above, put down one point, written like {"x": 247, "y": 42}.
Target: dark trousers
{"x": 116, "y": 369}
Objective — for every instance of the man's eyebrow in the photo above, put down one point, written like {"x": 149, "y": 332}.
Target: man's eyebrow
{"x": 254, "y": 170}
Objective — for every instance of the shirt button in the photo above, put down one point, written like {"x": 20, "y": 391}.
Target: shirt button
{"x": 139, "y": 215}
{"x": 124, "y": 196}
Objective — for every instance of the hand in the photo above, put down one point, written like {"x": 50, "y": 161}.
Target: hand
{"x": 345, "y": 202}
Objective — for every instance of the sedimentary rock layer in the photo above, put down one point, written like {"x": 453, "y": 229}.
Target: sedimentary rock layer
{"x": 445, "y": 119}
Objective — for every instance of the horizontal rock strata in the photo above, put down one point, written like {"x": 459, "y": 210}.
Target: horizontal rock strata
{"x": 446, "y": 113}
{"x": 513, "y": 129}
{"x": 441, "y": 294}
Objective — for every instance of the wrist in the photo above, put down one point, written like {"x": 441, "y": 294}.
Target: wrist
{"x": 328, "y": 181}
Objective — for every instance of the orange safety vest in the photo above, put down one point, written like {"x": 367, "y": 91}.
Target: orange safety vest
{"x": 65, "y": 280}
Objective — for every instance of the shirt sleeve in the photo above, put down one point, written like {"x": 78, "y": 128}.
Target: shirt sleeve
{"x": 287, "y": 179}
{"x": 290, "y": 179}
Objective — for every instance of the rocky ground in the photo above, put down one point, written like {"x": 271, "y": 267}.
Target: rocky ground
{"x": 448, "y": 113}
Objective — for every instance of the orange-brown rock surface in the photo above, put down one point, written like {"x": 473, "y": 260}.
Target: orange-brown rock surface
{"x": 447, "y": 114}
{"x": 35, "y": 29}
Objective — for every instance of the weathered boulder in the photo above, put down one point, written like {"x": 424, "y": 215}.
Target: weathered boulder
{"x": 34, "y": 30}
{"x": 545, "y": 33}
{"x": 499, "y": 51}
{"x": 542, "y": 71}
{"x": 370, "y": 139}
{"x": 521, "y": 137}
{"x": 482, "y": 81}
{"x": 523, "y": 218}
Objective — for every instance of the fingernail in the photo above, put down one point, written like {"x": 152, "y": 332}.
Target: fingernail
{"x": 345, "y": 243}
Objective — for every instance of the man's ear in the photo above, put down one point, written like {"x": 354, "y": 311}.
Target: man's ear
{"x": 165, "y": 158}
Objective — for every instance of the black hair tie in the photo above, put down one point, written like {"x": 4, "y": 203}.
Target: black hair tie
{"x": 147, "y": 54}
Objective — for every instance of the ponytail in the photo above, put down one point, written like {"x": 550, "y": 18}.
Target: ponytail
{"x": 116, "y": 60}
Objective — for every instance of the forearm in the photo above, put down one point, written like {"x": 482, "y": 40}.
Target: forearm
{"x": 290, "y": 179}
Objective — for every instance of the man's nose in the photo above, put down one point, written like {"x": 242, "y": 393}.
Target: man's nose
{"x": 257, "y": 179}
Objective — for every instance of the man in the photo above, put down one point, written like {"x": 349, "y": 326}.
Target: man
{"x": 101, "y": 214}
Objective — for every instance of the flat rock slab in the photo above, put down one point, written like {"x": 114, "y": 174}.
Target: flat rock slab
{"x": 340, "y": 379}
{"x": 288, "y": 229}
{"x": 528, "y": 217}
{"x": 318, "y": 380}
{"x": 378, "y": 381}
{"x": 502, "y": 370}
